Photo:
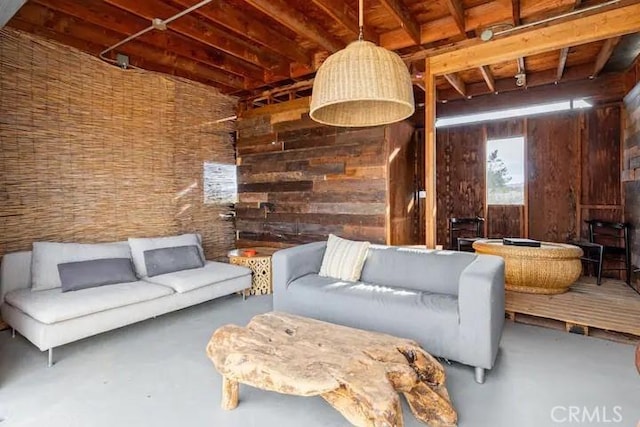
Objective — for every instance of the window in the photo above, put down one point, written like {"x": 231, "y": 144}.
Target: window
{"x": 220, "y": 183}
{"x": 531, "y": 110}
{"x": 505, "y": 171}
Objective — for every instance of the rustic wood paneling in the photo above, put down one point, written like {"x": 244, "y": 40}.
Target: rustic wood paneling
{"x": 318, "y": 180}
{"x": 402, "y": 171}
{"x": 553, "y": 180}
{"x": 505, "y": 221}
{"x": 89, "y": 153}
{"x": 460, "y": 166}
{"x": 631, "y": 170}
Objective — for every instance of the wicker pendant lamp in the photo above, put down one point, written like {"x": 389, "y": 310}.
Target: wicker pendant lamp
{"x": 362, "y": 85}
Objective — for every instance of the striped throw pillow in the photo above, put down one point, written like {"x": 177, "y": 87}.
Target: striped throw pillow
{"x": 343, "y": 259}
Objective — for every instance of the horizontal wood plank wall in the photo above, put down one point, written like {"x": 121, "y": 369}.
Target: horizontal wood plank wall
{"x": 317, "y": 180}
{"x": 573, "y": 165}
{"x": 631, "y": 169}
{"x": 91, "y": 153}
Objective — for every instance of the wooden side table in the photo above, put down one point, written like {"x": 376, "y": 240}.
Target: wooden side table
{"x": 260, "y": 265}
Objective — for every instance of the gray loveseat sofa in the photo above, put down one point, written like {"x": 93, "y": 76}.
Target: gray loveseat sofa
{"x": 452, "y": 303}
{"x": 51, "y": 318}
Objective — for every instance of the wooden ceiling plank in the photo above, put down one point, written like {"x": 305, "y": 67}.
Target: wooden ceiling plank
{"x": 108, "y": 17}
{"x": 562, "y": 62}
{"x": 583, "y": 29}
{"x": 456, "y": 9}
{"x": 95, "y": 49}
{"x": 457, "y": 83}
{"x": 62, "y": 23}
{"x": 603, "y": 56}
{"x": 297, "y": 22}
{"x": 487, "y": 75}
{"x": 341, "y": 13}
{"x": 402, "y": 14}
{"x": 228, "y": 16}
{"x": 8, "y": 8}
{"x": 515, "y": 12}
{"x": 195, "y": 29}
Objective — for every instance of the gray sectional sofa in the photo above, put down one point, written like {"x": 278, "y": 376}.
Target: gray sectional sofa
{"x": 50, "y": 318}
{"x": 452, "y": 303}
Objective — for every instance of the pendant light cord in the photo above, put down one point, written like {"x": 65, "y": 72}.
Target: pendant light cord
{"x": 361, "y": 19}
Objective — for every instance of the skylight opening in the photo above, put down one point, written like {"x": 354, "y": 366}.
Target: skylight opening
{"x": 532, "y": 110}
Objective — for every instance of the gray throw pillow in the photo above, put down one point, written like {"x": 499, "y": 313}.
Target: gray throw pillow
{"x": 96, "y": 272}
{"x": 176, "y": 258}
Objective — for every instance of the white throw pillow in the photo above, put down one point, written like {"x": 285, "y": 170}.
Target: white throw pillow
{"x": 47, "y": 255}
{"x": 343, "y": 259}
{"x": 139, "y": 245}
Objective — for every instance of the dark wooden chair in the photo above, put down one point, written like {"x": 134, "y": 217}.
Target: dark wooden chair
{"x": 614, "y": 237}
{"x": 593, "y": 255}
{"x": 464, "y": 231}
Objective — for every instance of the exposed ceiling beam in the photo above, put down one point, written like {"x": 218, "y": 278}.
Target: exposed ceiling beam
{"x": 607, "y": 88}
{"x": 456, "y": 9}
{"x": 457, "y": 83}
{"x": 515, "y": 12}
{"x": 585, "y": 28}
{"x": 34, "y": 25}
{"x": 194, "y": 28}
{"x": 562, "y": 62}
{"x": 344, "y": 15}
{"x": 229, "y": 17}
{"x": 297, "y": 22}
{"x": 487, "y": 75}
{"x": 8, "y": 8}
{"x": 603, "y": 56}
{"x": 508, "y": 84}
{"x": 402, "y": 14}
{"x": 98, "y": 13}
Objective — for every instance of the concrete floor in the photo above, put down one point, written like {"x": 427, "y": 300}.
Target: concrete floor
{"x": 156, "y": 374}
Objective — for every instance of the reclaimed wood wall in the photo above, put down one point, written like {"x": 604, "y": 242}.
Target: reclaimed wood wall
{"x": 572, "y": 167}
{"x": 91, "y": 153}
{"x": 300, "y": 181}
{"x": 631, "y": 169}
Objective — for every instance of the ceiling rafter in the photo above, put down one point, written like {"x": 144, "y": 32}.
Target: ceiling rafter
{"x": 108, "y": 17}
{"x": 225, "y": 15}
{"x": 59, "y": 26}
{"x": 516, "y": 13}
{"x": 340, "y": 12}
{"x": 402, "y": 14}
{"x": 603, "y": 56}
{"x": 456, "y": 9}
{"x": 487, "y": 75}
{"x": 564, "y": 52}
{"x": 194, "y": 28}
{"x": 297, "y": 22}
{"x": 458, "y": 84}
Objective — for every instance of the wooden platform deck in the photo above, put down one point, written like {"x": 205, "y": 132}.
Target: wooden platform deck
{"x": 610, "y": 311}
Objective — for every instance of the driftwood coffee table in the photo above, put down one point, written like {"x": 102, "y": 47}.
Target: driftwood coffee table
{"x": 358, "y": 372}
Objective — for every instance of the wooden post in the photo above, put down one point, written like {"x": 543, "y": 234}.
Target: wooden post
{"x": 430, "y": 155}
{"x": 229, "y": 394}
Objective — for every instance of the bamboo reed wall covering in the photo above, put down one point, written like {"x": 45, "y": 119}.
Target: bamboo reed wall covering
{"x": 92, "y": 153}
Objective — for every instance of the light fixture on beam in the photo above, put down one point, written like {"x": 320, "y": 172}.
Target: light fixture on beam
{"x": 362, "y": 85}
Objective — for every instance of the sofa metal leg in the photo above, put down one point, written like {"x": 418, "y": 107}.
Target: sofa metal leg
{"x": 480, "y": 375}
{"x": 244, "y": 295}
{"x": 13, "y": 332}
{"x": 50, "y": 357}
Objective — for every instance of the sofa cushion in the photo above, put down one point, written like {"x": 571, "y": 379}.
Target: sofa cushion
{"x": 167, "y": 260}
{"x": 52, "y": 306}
{"x": 188, "y": 280}
{"x": 343, "y": 259}
{"x": 140, "y": 245}
{"x": 393, "y": 310}
{"x": 47, "y": 255}
{"x": 79, "y": 275}
{"x": 422, "y": 269}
